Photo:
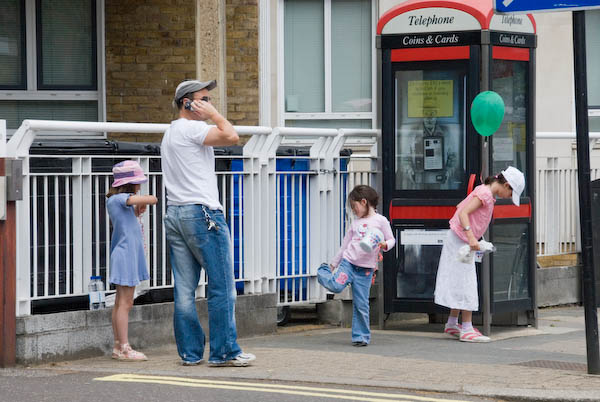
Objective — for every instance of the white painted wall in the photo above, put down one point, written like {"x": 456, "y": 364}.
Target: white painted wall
{"x": 554, "y": 72}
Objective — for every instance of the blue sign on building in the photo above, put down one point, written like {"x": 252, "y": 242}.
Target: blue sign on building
{"x": 531, "y": 6}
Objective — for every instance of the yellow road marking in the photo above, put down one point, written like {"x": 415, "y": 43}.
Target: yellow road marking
{"x": 271, "y": 388}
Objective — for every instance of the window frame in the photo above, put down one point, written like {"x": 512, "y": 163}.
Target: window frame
{"x": 33, "y": 92}
{"x": 328, "y": 114}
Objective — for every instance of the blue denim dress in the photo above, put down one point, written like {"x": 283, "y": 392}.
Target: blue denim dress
{"x": 127, "y": 260}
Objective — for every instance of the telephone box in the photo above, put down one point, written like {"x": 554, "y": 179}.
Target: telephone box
{"x": 436, "y": 56}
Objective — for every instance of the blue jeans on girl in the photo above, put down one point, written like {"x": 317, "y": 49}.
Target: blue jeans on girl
{"x": 360, "y": 280}
{"x": 199, "y": 238}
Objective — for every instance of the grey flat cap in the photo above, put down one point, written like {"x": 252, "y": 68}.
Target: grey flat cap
{"x": 191, "y": 86}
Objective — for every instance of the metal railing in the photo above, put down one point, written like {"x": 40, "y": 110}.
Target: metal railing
{"x": 282, "y": 211}
{"x": 286, "y": 213}
{"x": 557, "y": 202}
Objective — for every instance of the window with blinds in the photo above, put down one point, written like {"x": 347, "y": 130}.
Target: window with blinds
{"x": 351, "y": 56}
{"x": 328, "y": 58}
{"x": 304, "y": 56}
{"x": 66, "y": 44}
{"x": 12, "y": 45}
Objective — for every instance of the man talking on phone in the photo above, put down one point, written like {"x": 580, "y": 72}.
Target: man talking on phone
{"x": 197, "y": 233}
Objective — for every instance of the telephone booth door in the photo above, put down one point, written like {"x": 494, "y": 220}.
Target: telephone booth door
{"x": 428, "y": 172}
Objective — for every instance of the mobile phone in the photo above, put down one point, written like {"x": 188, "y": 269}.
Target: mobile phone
{"x": 188, "y": 106}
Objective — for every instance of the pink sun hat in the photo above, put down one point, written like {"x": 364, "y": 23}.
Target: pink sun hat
{"x": 128, "y": 172}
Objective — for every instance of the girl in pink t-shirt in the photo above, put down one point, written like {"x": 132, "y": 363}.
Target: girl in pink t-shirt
{"x": 355, "y": 262}
{"x": 456, "y": 283}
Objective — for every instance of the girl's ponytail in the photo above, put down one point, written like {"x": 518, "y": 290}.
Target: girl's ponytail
{"x": 499, "y": 178}
{"x": 125, "y": 188}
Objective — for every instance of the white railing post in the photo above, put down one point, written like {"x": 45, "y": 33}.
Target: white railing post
{"x": 144, "y": 163}
{"x": 258, "y": 253}
{"x": 321, "y": 245}
{"x": 268, "y": 201}
{"x": 82, "y": 223}
{"x": 23, "y": 261}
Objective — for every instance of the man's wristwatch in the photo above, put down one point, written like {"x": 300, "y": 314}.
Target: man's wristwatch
{"x": 466, "y": 229}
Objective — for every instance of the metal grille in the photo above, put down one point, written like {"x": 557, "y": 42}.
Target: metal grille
{"x": 554, "y": 364}
{"x": 557, "y": 207}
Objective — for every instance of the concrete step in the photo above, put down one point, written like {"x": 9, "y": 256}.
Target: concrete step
{"x": 561, "y": 260}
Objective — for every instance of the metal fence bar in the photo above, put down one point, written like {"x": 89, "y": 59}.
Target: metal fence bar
{"x": 278, "y": 240}
{"x": 163, "y": 241}
{"x": 240, "y": 225}
{"x": 34, "y": 239}
{"x": 56, "y": 238}
{"x": 67, "y": 234}
{"x": 107, "y": 233}
{"x": 46, "y": 230}
{"x": 285, "y": 237}
{"x": 301, "y": 243}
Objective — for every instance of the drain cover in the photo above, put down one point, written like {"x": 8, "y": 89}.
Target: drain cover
{"x": 554, "y": 364}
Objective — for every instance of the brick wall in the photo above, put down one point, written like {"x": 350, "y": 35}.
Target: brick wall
{"x": 150, "y": 48}
{"x": 242, "y": 61}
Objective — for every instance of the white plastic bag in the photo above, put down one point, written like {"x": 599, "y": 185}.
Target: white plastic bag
{"x": 466, "y": 255}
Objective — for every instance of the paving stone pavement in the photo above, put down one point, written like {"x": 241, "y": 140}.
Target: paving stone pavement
{"x": 413, "y": 355}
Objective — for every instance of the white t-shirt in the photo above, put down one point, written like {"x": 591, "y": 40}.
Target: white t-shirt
{"x": 188, "y": 165}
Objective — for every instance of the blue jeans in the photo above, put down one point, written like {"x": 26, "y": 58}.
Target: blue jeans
{"x": 360, "y": 280}
{"x": 193, "y": 246}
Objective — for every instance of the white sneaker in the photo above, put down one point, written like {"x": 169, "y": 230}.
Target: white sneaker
{"x": 473, "y": 335}
{"x": 453, "y": 330}
{"x": 241, "y": 360}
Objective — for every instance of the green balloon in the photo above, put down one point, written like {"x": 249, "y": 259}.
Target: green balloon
{"x": 487, "y": 112}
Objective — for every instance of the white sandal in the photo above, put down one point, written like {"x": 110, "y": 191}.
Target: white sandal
{"x": 128, "y": 354}
{"x": 116, "y": 352}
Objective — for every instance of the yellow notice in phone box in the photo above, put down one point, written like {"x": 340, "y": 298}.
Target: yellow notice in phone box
{"x": 430, "y": 98}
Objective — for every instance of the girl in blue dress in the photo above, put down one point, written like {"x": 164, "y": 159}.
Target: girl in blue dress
{"x": 127, "y": 258}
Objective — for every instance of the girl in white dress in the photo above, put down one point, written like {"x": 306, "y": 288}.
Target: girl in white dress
{"x": 456, "y": 283}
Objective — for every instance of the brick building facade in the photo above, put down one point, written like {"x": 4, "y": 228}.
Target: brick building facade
{"x": 152, "y": 45}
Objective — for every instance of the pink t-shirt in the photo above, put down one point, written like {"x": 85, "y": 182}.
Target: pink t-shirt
{"x": 480, "y": 218}
{"x": 351, "y": 249}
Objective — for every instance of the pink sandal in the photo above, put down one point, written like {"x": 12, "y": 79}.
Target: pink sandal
{"x": 128, "y": 354}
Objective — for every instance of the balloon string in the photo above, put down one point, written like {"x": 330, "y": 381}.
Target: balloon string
{"x": 481, "y": 178}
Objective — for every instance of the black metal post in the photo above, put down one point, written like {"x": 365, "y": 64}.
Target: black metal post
{"x": 585, "y": 200}
{"x": 486, "y": 274}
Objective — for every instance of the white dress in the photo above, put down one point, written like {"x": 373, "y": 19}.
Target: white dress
{"x": 456, "y": 282}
